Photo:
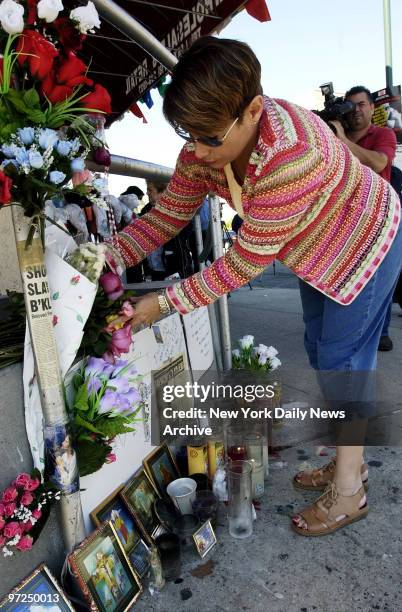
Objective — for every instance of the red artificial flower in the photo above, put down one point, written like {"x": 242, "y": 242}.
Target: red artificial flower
{"x": 25, "y": 543}
{"x": 99, "y": 99}
{"x": 27, "y": 498}
{"x": 5, "y": 188}
{"x": 9, "y": 509}
{"x": 9, "y": 495}
{"x": 22, "y": 480}
{"x": 67, "y": 74}
{"x": 27, "y": 526}
{"x": 33, "y": 48}
{"x": 111, "y": 458}
{"x": 68, "y": 34}
{"x": 2, "y": 509}
{"x": 31, "y": 12}
{"x": 32, "y": 484}
{"x": 37, "y": 514}
{"x": 12, "y": 529}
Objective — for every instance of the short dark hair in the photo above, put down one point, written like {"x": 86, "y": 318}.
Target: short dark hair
{"x": 359, "y": 89}
{"x": 212, "y": 83}
{"x": 160, "y": 186}
{"x": 134, "y": 190}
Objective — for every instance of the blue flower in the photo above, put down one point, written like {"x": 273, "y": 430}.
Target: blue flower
{"x": 10, "y": 161}
{"x": 9, "y": 150}
{"x": 56, "y": 177}
{"x": 63, "y": 147}
{"x": 47, "y": 138}
{"x": 22, "y": 156}
{"x": 35, "y": 159}
{"x": 27, "y": 135}
{"x": 75, "y": 145}
{"x": 77, "y": 165}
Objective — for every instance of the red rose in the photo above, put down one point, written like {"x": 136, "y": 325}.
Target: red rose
{"x": 2, "y": 540}
{"x": 2, "y": 509}
{"x": 37, "y": 51}
{"x": 37, "y": 514}
{"x": 27, "y": 498}
{"x": 99, "y": 99}
{"x": 111, "y": 285}
{"x": 121, "y": 341}
{"x": 68, "y": 34}
{"x": 9, "y": 495}
{"x": 32, "y": 484}
{"x": 21, "y": 480}
{"x": 27, "y": 526}
{"x": 12, "y": 529}
{"x": 5, "y": 188}
{"x": 25, "y": 543}
{"x": 67, "y": 74}
{"x": 9, "y": 509}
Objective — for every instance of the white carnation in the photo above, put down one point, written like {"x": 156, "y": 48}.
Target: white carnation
{"x": 86, "y": 17}
{"x": 275, "y": 363}
{"x": 246, "y": 342}
{"x": 11, "y": 17}
{"x": 49, "y": 9}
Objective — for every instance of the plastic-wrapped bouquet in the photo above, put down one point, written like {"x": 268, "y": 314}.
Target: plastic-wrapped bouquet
{"x": 24, "y": 509}
{"x": 257, "y": 358}
{"x": 89, "y": 259}
{"x": 106, "y": 402}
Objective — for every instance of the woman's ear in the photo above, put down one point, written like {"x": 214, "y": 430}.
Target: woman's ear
{"x": 255, "y": 109}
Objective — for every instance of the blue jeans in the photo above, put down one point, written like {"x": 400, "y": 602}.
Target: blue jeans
{"x": 345, "y": 339}
{"x": 387, "y": 320}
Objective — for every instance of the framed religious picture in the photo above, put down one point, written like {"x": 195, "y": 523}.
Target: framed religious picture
{"x": 204, "y": 538}
{"x": 37, "y": 591}
{"x": 140, "y": 495}
{"x": 134, "y": 540}
{"x": 103, "y": 572}
{"x": 161, "y": 467}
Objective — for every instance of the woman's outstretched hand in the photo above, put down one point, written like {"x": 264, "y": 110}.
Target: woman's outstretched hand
{"x": 145, "y": 310}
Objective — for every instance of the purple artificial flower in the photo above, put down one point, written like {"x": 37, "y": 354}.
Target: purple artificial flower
{"x": 97, "y": 366}
{"x": 133, "y": 396}
{"x": 119, "y": 384}
{"x": 94, "y": 385}
{"x": 113, "y": 402}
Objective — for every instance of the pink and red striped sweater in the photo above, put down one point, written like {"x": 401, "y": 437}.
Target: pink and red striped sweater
{"x": 307, "y": 201}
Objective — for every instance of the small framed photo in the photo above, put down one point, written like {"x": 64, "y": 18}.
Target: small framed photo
{"x": 113, "y": 509}
{"x": 140, "y": 495}
{"x": 103, "y": 572}
{"x": 204, "y": 538}
{"x": 38, "y": 591}
{"x": 161, "y": 467}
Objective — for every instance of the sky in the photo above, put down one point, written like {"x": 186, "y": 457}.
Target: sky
{"x": 306, "y": 43}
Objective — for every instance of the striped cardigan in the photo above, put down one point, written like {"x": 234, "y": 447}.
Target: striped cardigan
{"x": 307, "y": 201}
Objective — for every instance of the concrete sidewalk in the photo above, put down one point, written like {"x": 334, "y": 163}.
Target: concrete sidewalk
{"x": 357, "y": 568}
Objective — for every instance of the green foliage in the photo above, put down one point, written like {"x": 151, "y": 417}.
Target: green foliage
{"x": 91, "y": 456}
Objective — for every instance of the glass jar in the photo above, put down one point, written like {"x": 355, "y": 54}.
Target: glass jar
{"x": 168, "y": 546}
{"x": 235, "y": 443}
{"x": 254, "y": 447}
{"x": 240, "y": 499}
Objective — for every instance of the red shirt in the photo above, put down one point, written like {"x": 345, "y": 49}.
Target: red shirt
{"x": 382, "y": 140}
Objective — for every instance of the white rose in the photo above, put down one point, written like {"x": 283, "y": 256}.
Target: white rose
{"x": 246, "y": 342}
{"x": 49, "y": 9}
{"x": 87, "y": 17}
{"x": 275, "y": 363}
{"x": 271, "y": 352}
{"x": 11, "y": 17}
{"x": 236, "y": 353}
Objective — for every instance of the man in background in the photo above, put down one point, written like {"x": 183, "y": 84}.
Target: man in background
{"x": 374, "y": 147}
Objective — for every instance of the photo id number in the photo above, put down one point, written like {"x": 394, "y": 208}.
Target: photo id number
{"x": 34, "y": 597}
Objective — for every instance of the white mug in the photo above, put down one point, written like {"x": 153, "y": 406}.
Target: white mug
{"x": 182, "y": 493}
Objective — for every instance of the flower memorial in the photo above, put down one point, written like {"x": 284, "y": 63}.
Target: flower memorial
{"x": 24, "y": 509}
{"x": 46, "y": 101}
{"x": 258, "y": 358}
{"x": 106, "y": 402}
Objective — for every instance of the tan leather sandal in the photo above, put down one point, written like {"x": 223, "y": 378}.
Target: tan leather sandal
{"x": 321, "y": 517}
{"x": 318, "y": 479}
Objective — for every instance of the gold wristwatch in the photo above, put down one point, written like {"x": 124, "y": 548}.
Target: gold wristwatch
{"x": 164, "y": 305}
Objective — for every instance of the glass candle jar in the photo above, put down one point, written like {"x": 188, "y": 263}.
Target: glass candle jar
{"x": 168, "y": 546}
{"x": 235, "y": 443}
{"x": 240, "y": 499}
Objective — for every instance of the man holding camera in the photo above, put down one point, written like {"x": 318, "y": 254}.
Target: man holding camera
{"x": 375, "y": 147}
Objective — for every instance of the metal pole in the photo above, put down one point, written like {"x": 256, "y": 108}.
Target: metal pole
{"x": 211, "y": 308}
{"x": 217, "y": 249}
{"x": 126, "y": 166}
{"x": 123, "y": 21}
{"x": 60, "y": 455}
{"x": 388, "y": 42}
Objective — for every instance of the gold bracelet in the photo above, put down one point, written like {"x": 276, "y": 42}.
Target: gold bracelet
{"x": 164, "y": 306}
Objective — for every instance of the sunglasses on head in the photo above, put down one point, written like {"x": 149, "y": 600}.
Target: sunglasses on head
{"x": 209, "y": 141}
